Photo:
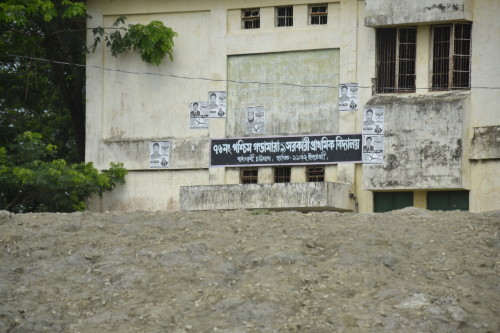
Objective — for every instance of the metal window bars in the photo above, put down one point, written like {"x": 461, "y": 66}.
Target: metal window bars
{"x": 396, "y": 56}
{"x": 318, "y": 14}
{"x": 284, "y": 16}
{"x": 249, "y": 175}
{"x": 451, "y": 56}
{"x": 315, "y": 174}
{"x": 282, "y": 174}
{"x": 250, "y": 18}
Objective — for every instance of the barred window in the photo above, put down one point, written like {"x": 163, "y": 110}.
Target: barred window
{"x": 250, "y": 18}
{"x": 315, "y": 174}
{"x": 318, "y": 14}
{"x": 396, "y": 53}
{"x": 451, "y": 54}
{"x": 249, "y": 175}
{"x": 282, "y": 174}
{"x": 284, "y": 16}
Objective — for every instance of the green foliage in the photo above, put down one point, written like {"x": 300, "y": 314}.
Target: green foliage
{"x": 32, "y": 181}
{"x": 74, "y": 9}
{"x": 49, "y": 98}
{"x": 39, "y": 96}
{"x": 153, "y": 41}
{"x": 21, "y": 11}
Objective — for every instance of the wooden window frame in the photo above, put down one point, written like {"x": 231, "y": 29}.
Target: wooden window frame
{"x": 282, "y": 174}
{"x": 318, "y": 17}
{"x": 451, "y": 56}
{"x": 315, "y": 173}
{"x": 249, "y": 175}
{"x": 250, "y": 18}
{"x": 285, "y": 18}
{"x": 396, "y": 52}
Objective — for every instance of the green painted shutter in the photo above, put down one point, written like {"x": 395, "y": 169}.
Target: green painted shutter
{"x": 448, "y": 200}
{"x": 387, "y": 201}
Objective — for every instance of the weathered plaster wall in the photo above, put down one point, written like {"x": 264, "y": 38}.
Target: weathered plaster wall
{"x": 185, "y": 153}
{"x": 485, "y": 143}
{"x": 305, "y": 196}
{"x": 289, "y": 109}
{"x": 140, "y": 106}
{"x": 149, "y": 191}
{"x": 126, "y": 111}
{"x": 485, "y": 71}
{"x": 365, "y": 60}
{"x": 390, "y": 12}
{"x": 485, "y": 186}
{"x": 423, "y": 143}
{"x": 485, "y": 99}
{"x": 132, "y": 109}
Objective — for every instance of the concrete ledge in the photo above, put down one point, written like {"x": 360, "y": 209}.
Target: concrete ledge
{"x": 485, "y": 144}
{"x": 423, "y": 142}
{"x": 381, "y": 13}
{"x": 189, "y": 153}
{"x": 297, "y": 196}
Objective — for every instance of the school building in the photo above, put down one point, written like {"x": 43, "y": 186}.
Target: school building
{"x": 347, "y": 105}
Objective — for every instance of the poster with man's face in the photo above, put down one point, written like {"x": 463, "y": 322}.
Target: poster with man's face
{"x": 348, "y": 96}
{"x": 159, "y": 154}
{"x": 373, "y": 120}
{"x": 255, "y": 121}
{"x": 198, "y": 115}
{"x": 373, "y": 149}
{"x": 373, "y": 134}
{"x": 217, "y": 104}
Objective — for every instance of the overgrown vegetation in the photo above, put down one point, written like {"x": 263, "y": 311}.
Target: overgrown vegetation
{"x": 153, "y": 41}
{"x": 31, "y": 180}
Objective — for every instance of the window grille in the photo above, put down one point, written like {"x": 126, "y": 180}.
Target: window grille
{"x": 451, "y": 53}
{"x": 284, "y": 16}
{"x": 396, "y": 54}
{"x": 315, "y": 174}
{"x": 250, "y": 18}
{"x": 318, "y": 14}
{"x": 249, "y": 175}
{"x": 282, "y": 174}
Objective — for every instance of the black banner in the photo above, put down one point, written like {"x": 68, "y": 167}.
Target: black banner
{"x": 306, "y": 149}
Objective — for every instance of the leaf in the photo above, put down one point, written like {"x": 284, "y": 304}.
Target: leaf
{"x": 50, "y": 184}
{"x": 74, "y": 9}
{"x": 153, "y": 41}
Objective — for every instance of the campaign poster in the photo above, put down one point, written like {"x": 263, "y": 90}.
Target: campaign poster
{"x": 373, "y": 120}
{"x": 348, "y": 96}
{"x": 217, "y": 104}
{"x": 255, "y": 120}
{"x": 198, "y": 115}
{"x": 373, "y": 149}
{"x": 159, "y": 154}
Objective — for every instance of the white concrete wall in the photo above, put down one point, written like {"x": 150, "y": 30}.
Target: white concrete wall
{"x": 126, "y": 111}
{"x": 481, "y": 113}
{"x": 485, "y": 99}
{"x": 423, "y": 142}
{"x": 390, "y": 12}
{"x": 149, "y": 191}
{"x": 301, "y": 196}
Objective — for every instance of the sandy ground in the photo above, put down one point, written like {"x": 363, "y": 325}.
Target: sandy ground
{"x": 406, "y": 271}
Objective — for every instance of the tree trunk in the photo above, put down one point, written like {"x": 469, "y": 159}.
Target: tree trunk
{"x": 72, "y": 93}
{"x": 70, "y": 78}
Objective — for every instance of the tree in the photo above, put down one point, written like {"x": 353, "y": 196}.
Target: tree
{"x": 31, "y": 180}
{"x": 45, "y": 96}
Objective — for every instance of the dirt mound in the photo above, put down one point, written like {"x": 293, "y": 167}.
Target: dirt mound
{"x": 410, "y": 270}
